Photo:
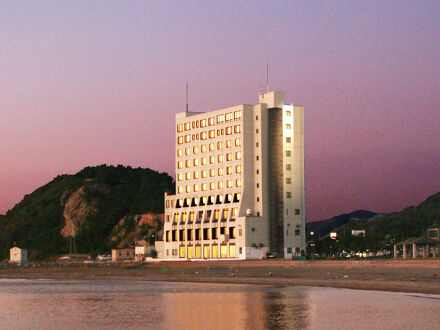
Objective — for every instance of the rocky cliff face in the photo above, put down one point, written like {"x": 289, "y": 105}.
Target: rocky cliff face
{"x": 123, "y": 234}
{"x": 78, "y": 206}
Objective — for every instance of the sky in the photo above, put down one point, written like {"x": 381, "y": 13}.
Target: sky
{"x": 84, "y": 83}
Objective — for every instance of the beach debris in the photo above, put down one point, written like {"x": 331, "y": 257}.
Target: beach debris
{"x": 434, "y": 275}
{"x": 346, "y": 276}
{"x": 196, "y": 272}
{"x": 270, "y": 273}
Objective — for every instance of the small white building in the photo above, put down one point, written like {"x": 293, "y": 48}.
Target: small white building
{"x": 17, "y": 255}
{"x": 359, "y": 232}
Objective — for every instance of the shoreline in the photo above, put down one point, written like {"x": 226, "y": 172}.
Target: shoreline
{"x": 411, "y": 276}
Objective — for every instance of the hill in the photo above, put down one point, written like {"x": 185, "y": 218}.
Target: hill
{"x": 411, "y": 221}
{"x": 98, "y": 206}
{"x": 324, "y": 227}
{"x": 382, "y": 232}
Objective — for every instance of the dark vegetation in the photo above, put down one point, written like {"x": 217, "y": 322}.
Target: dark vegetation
{"x": 36, "y": 222}
{"x": 383, "y": 231}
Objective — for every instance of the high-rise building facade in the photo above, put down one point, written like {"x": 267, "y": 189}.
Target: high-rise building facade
{"x": 239, "y": 183}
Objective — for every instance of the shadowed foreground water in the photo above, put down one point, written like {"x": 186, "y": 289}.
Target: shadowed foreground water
{"x": 31, "y": 304}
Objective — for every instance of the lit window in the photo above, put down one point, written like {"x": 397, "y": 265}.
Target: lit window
{"x": 211, "y": 146}
{"x": 195, "y": 150}
{"x": 229, "y": 170}
{"x": 238, "y": 183}
{"x": 229, "y": 130}
{"x": 180, "y": 189}
{"x": 212, "y": 160}
{"x": 188, "y": 163}
{"x": 212, "y": 186}
{"x": 180, "y": 128}
{"x": 179, "y": 164}
{"x": 187, "y": 151}
{"x": 228, "y": 117}
{"x": 187, "y": 138}
{"x": 229, "y": 184}
{"x": 211, "y": 172}
{"x": 219, "y": 145}
{"x": 188, "y": 189}
{"x": 180, "y": 177}
{"x": 204, "y": 186}
{"x": 188, "y": 175}
{"x": 203, "y": 136}
{"x": 288, "y": 113}
{"x": 234, "y": 211}
{"x": 203, "y": 123}
{"x": 237, "y": 114}
{"x": 220, "y": 171}
{"x": 180, "y": 140}
{"x": 220, "y": 185}
{"x": 196, "y": 161}
{"x": 211, "y": 134}
{"x": 237, "y": 142}
{"x": 238, "y": 155}
{"x": 228, "y": 143}
{"x": 203, "y": 148}
{"x": 193, "y": 124}
{"x": 196, "y": 187}
{"x": 204, "y": 174}
{"x": 196, "y": 174}
{"x": 220, "y": 119}
{"x": 229, "y": 157}
{"x": 220, "y": 158}
{"x": 288, "y": 126}
{"x": 288, "y": 139}
{"x": 179, "y": 153}
{"x": 225, "y": 214}
{"x": 203, "y": 160}
{"x": 237, "y": 129}
{"x": 211, "y": 121}
{"x": 187, "y": 126}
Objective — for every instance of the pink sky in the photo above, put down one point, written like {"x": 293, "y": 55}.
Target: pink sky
{"x": 85, "y": 83}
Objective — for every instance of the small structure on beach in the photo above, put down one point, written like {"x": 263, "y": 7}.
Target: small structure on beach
{"x": 122, "y": 254}
{"x": 18, "y": 255}
{"x": 420, "y": 246}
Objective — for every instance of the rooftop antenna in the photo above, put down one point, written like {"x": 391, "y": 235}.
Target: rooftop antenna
{"x": 186, "y": 97}
{"x": 267, "y": 78}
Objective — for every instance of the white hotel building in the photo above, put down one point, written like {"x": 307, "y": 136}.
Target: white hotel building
{"x": 239, "y": 183}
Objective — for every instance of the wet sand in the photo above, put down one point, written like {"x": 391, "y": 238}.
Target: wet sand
{"x": 421, "y": 276}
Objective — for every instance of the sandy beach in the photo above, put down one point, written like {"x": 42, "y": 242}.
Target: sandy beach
{"x": 421, "y": 276}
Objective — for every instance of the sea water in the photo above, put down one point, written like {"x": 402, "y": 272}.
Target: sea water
{"x": 48, "y": 304}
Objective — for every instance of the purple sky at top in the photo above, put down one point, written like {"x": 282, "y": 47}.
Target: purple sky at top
{"x": 84, "y": 83}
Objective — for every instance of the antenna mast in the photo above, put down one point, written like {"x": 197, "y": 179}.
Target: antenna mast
{"x": 267, "y": 77}
{"x": 187, "y": 97}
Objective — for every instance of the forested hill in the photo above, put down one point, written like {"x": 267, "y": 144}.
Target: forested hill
{"x": 97, "y": 205}
{"x": 410, "y": 222}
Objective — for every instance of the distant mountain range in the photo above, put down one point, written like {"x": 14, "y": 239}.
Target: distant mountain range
{"x": 324, "y": 227}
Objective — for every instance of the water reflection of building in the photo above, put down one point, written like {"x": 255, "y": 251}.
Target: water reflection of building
{"x": 280, "y": 309}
